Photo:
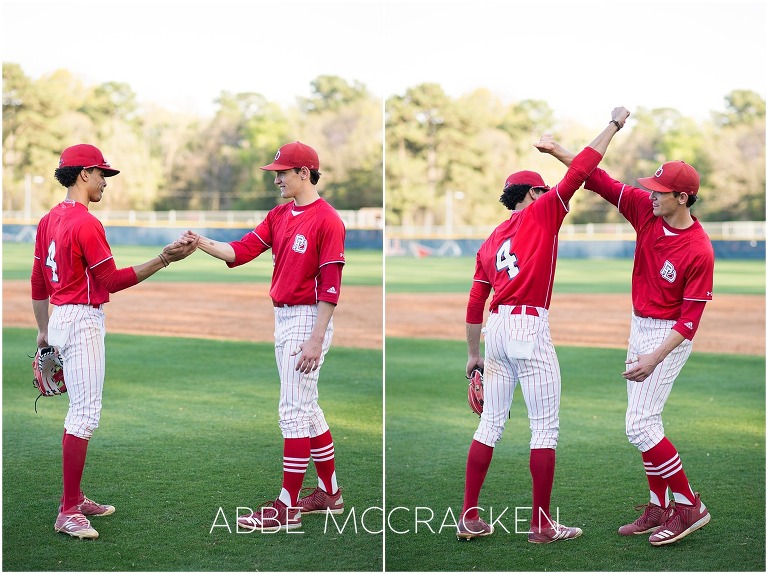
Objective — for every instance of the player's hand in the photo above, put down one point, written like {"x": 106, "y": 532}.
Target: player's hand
{"x": 188, "y": 236}
{"x": 180, "y": 249}
{"x": 42, "y": 339}
{"x": 474, "y": 362}
{"x": 620, "y": 115}
{"x": 641, "y": 368}
{"x": 546, "y": 143}
{"x": 309, "y": 353}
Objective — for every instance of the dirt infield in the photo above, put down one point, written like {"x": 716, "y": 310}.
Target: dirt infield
{"x": 731, "y": 323}
{"x": 211, "y": 310}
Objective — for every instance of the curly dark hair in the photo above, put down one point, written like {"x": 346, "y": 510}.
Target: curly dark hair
{"x": 514, "y": 194}
{"x": 67, "y": 176}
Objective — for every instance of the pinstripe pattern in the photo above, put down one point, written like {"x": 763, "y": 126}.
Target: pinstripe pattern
{"x": 539, "y": 378}
{"x": 646, "y": 399}
{"x": 300, "y": 415}
{"x": 78, "y": 331}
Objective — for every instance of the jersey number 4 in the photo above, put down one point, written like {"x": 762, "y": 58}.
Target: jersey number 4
{"x": 507, "y": 261}
{"x": 50, "y": 261}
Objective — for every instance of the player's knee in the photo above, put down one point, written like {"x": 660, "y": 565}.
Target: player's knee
{"x": 544, "y": 439}
{"x": 646, "y": 438}
{"x": 488, "y": 434}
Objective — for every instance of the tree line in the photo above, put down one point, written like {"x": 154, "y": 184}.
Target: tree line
{"x": 179, "y": 161}
{"x": 437, "y": 148}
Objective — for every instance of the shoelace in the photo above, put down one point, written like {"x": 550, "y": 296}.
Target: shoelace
{"x": 78, "y": 520}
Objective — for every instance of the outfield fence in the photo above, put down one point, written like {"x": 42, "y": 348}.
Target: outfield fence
{"x": 731, "y": 240}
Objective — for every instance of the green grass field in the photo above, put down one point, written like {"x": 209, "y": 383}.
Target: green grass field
{"x": 715, "y": 416}
{"x": 454, "y": 275}
{"x": 189, "y": 426}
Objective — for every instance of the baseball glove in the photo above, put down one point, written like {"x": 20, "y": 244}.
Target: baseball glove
{"x": 48, "y": 372}
{"x": 475, "y": 393}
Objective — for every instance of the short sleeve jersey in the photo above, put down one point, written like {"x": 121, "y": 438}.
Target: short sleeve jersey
{"x": 519, "y": 257}
{"x": 70, "y": 242}
{"x": 671, "y": 265}
{"x": 301, "y": 242}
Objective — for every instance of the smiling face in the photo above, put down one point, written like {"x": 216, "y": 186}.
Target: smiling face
{"x": 289, "y": 182}
{"x": 95, "y": 183}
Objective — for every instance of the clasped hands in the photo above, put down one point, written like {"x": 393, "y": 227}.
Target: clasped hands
{"x": 183, "y": 247}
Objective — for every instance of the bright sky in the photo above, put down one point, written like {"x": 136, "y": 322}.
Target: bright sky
{"x": 582, "y": 57}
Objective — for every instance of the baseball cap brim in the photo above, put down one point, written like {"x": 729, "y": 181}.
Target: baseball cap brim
{"x": 108, "y": 171}
{"x": 276, "y": 167}
{"x": 653, "y": 184}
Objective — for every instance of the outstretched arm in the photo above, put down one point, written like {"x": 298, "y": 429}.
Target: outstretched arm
{"x": 547, "y": 143}
{"x": 218, "y": 249}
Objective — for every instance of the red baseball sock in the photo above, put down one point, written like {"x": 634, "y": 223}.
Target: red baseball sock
{"x": 73, "y": 451}
{"x": 321, "y": 451}
{"x": 662, "y": 464}
{"x": 542, "y": 465}
{"x": 478, "y": 461}
{"x": 295, "y": 462}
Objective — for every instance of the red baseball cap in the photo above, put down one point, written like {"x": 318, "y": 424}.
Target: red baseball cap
{"x": 86, "y": 156}
{"x": 525, "y": 178}
{"x": 673, "y": 176}
{"x": 295, "y": 154}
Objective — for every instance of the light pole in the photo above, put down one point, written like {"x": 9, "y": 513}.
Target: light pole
{"x": 28, "y": 181}
{"x": 449, "y": 197}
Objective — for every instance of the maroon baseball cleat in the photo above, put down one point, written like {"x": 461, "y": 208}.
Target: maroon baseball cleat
{"x": 271, "y": 517}
{"x": 90, "y": 508}
{"x": 553, "y": 533}
{"x": 320, "y": 501}
{"x": 469, "y": 529}
{"x": 652, "y": 517}
{"x": 686, "y": 518}
{"x": 75, "y": 524}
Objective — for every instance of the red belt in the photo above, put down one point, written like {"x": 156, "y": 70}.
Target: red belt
{"x": 520, "y": 310}
{"x": 276, "y": 304}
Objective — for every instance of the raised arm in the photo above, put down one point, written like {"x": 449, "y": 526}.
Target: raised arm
{"x": 547, "y": 143}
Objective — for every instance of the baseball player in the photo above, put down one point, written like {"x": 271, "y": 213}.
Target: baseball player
{"x": 517, "y": 262}
{"x": 672, "y": 279}
{"x": 74, "y": 271}
{"x": 306, "y": 236}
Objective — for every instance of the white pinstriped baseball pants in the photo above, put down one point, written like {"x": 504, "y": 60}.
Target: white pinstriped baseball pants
{"x": 78, "y": 331}
{"x": 299, "y": 412}
{"x": 646, "y": 399}
{"x": 539, "y": 377}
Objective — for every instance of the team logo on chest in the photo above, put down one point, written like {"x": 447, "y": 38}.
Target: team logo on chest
{"x": 668, "y": 272}
{"x": 299, "y": 244}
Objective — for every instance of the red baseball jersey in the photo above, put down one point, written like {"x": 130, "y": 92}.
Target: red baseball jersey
{"x": 671, "y": 265}
{"x": 70, "y": 243}
{"x": 302, "y": 239}
{"x": 519, "y": 258}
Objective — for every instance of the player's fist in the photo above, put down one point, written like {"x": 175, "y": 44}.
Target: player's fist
{"x": 620, "y": 115}
{"x": 546, "y": 143}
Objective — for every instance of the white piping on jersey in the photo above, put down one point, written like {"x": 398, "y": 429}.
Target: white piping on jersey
{"x": 260, "y": 239}
{"x": 557, "y": 192}
{"x": 329, "y": 262}
{"x": 621, "y": 193}
{"x": 102, "y": 261}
